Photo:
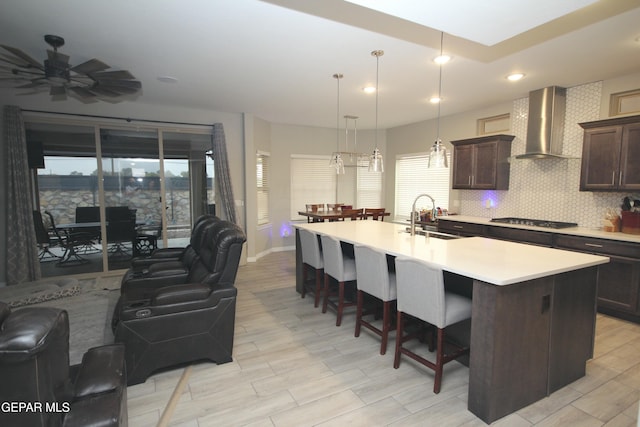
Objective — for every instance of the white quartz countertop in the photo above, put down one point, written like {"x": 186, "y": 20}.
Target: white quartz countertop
{"x": 489, "y": 260}
{"x": 574, "y": 231}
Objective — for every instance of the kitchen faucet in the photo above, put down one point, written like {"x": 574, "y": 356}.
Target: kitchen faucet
{"x": 413, "y": 211}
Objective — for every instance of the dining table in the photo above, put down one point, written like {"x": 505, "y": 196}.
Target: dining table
{"x": 331, "y": 215}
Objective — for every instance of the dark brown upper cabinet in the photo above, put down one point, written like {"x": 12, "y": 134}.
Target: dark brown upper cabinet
{"x": 611, "y": 155}
{"x": 482, "y": 163}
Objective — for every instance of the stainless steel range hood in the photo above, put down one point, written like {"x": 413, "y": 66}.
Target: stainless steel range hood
{"x": 545, "y": 127}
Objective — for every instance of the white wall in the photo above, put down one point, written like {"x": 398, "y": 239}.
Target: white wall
{"x": 287, "y": 140}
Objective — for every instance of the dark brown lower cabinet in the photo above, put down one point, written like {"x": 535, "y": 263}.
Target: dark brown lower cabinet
{"x": 619, "y": 280}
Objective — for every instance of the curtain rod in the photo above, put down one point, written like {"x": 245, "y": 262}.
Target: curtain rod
{"x": 127, "y": 119}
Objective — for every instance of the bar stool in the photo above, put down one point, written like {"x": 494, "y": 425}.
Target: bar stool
{"x": 311, "y": 258}
{"x": 375, "y": 279}
{"x": 421, "y": 294}
{"x": 342, "y": 269}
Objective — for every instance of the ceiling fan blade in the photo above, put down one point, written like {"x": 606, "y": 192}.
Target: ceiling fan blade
{"x": 111, "y": 83}
{"x": 20, "y": 54}
{"x": 82, "y": 92}
{"x": 57, "y": 90}
{"x": 57, "y": 56}
{"x": 33, "y": 84}
{"x": 104, "y": 92}
{"x": 91, "y": 66}
{"x": 14, "y": 61}
{"x": 117, "y": 74}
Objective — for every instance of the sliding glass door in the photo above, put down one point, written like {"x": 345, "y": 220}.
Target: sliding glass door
{"x": 132, "y": 194}
{"x": 114, "y": 193}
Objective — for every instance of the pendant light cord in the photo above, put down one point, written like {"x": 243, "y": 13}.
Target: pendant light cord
{"x": 377, "y": 79}
{"x": 338, "y": 76}
{"x": 439, "y": 90}
{"x": 377, "y": 54}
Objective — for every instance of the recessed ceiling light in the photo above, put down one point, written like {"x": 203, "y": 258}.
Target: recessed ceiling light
{"x": 514, "y": 77}
{"x": 435, "y": 99}
{"x": 369, "y": 89}
{"x": 167, "y": 79}
{"x": 441, "y": 59}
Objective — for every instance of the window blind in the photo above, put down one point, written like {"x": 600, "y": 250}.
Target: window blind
{"x": 413, "y": 177}
{"x": 262, "y": 180}
{"x": 369, "y": 193}
{"x": 312, "y": 181}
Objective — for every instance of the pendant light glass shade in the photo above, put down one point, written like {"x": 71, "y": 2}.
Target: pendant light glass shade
{"x": 376, "y": 163}
{"x": 438, "y": 156}
{"x": 337, "y": 163}
{"x": 375, "y": 160}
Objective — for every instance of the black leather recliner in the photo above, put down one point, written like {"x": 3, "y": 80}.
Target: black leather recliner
{"x": 37, "y": 385}
{"x": 163, "y": 255}
{"x": 177, "y": 319}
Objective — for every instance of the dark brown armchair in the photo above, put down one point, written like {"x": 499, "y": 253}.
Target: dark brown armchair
{"x": 34, "y": 367}
{"x": 172, "y": 319}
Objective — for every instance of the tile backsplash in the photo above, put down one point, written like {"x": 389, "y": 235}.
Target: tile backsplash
{"x": 547, "y": 188}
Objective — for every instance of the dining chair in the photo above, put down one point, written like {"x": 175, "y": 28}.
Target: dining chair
{"x": 339, "y": 267}
{"x": 70, "y": 240}
{"x": 352, "y": 214}
{"x": 311, "y": 258}
{"x": 314, "y": 208}
{"x": 374, "y": 279}
{"x": 422, "y": 295}
{"x": 377, "y": 214}
{"x": 43, "y": 238}
{"x": 121, "y": 231}
{"x": 86, "y": 214}
{"x": 334, "y": 208}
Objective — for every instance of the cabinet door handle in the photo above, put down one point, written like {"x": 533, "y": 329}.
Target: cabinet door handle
{"x": 546, "y": 303}
{"x": 593, "y": 245}
{"x": 469, "y": 179}
{"x": 613, "y": 177}
{"x": 620, "y": 182}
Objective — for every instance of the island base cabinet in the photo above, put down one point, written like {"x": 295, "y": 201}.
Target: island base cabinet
{"x": 528, "y": 340}
{"x": 509, "y": 347}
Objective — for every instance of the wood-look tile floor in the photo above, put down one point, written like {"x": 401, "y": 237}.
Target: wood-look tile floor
{"x": 293, "y": 367}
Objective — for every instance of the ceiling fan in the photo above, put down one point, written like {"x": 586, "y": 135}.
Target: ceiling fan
{"x": 87, "y": 82}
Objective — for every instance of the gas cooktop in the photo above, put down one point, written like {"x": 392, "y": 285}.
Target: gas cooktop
{"x": 534, "y": 222}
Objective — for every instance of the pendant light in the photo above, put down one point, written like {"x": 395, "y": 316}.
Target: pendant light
{"x": 339, "y": 157}
{"x": 336, "y": 158}
{"x": 375, "y": 161}
{"x": 438, "y": 155}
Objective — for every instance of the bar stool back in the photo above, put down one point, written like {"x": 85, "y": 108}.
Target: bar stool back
{"x": 375, "y": 279}
{"x": 421, "y": 294}
{"x": 311, "y": 258}
{"x": 342, "y": 269}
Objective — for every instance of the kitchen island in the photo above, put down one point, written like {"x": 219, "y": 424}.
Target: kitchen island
{"x": 533, "y": 309}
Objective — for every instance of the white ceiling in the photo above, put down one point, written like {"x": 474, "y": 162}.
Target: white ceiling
{"x": 275, "y": 58}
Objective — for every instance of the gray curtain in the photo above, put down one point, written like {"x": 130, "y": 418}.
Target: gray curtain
{"x": 223, "y": 177}
{"x": 22, "y": 252}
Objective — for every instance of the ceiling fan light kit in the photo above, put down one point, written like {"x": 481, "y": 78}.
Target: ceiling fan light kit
{"x": 89, "y": 82}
